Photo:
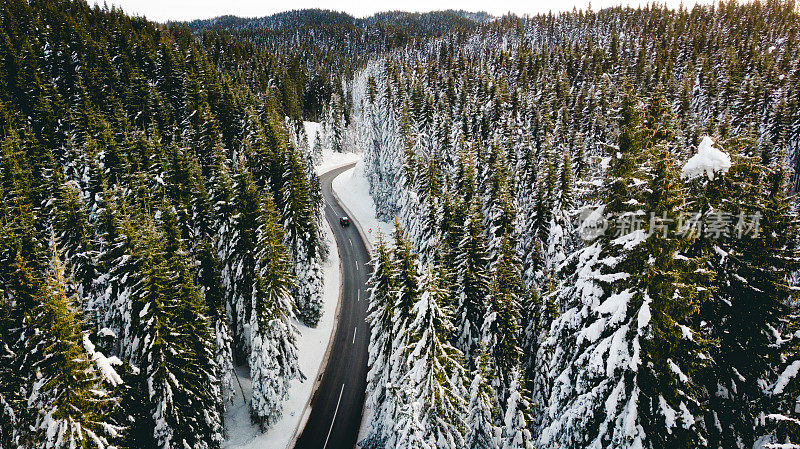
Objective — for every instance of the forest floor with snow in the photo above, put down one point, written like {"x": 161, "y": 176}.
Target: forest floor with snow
{"x": 311, "y": 346}
{"x": 330, "y": 159}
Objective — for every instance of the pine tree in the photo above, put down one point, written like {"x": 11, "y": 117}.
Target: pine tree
{"x": 499, "y": 334}
{"x": 72, "y": 229}
{"x": 241, "y": 265}
{"x": 381, "y": 322}
{"x": 210, "y": 283}
{"x": 747, "y": 309}
{"x": 406, "y": 294}
{"x": 623, "y": 358}
{"x": 300, "y": 221}
{"x": 516, "y": 434}
{"x": 481, "y": 431}
{"x": 435, "y": 376}
{"x": 471, "y": 284}
{"x": 273, "y": 353}
{"x": 68, "y": 404}
{"x": 174, "y": 347}
{"x": 10, "y": 398}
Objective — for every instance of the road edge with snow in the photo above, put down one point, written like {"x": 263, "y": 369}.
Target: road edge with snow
{"x": 320, "y": 371}
{"x": 353, "y": 196}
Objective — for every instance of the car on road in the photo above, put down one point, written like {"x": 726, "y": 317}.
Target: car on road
{"x": 344, "y": 221}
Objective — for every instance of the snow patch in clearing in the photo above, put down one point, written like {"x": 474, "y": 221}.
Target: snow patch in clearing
{"x": 311, "y": 346}
{"x": 352, "y": 188}
{"x": 330, "y": 159}
{"x": 708, "y": 161}
{"x": 313, "y": 130}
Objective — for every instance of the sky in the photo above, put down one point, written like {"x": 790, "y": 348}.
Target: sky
{"x": 164, "y": 10}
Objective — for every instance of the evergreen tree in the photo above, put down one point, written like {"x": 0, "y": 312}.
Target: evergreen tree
{"x": 68, "y": 402}
{"x": 624, "y": 362}
{"x": 210, "y": 283}
{"x": 302, "y": 238}
{"x": 500, "y": 331}
{"x": 435, "y": 377}
{"x": 174, "y": 347}
{"x": 481, "y": 431}
{"x": 516, "y": 434}
{"x": 273, "y": 353}
{"x": 381, "y": 322}
{"x": 471, "y": 284}
{"x": 747, "y": 308}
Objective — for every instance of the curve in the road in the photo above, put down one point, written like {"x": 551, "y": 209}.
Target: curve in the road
{"x": 338, "y": 402}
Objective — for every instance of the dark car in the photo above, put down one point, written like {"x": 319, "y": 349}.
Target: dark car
{"x": 344, "y": 221}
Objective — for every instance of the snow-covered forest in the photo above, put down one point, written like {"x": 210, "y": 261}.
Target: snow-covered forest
{"x": 503, "y": 317}
{"x": 595, "y": 235}
{"x": 158, "y": 227}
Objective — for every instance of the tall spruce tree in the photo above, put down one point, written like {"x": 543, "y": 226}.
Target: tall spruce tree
{"x": 68, "y": 403}
{"x": 174, "y": 347}
{"x": 748, "y": 309}
{"x": 381, "y": 321}
{"x": 500, "y": 331}
{"x": 481, "y": 432}
{"x": 435, "y": 377}
{"x": 273, "y": 352}
{"x": 623, "y": 359}
{"x": 515, "y": 431}
{"x": 472, "y": 285}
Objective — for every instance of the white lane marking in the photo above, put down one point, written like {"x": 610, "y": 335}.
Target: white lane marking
{"x": 356, "y": 265}
{"x": 351, "y": 242}
{"x": 334, "y": 417}
{"x": 354, "y": 334}
{"x": 358, "y": 296}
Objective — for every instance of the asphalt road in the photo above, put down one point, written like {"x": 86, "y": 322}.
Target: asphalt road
{"x": 338, "y": 403}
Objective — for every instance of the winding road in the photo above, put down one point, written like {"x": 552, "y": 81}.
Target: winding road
{"x": 338, "y": 402}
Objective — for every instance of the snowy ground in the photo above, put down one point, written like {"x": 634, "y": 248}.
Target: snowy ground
{"x": 311, "y": 346}
{"x": 352, "y": 189}
{"x": 330, "y": 158}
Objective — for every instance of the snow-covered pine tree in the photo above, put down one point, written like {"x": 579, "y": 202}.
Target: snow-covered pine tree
{"x": 74, "y": 234}
{"x": 302, "y": 238}
{"x": 435, "y": 379}
{"x": 112, "y": 300}
{"x": 174, "y": 349}
{"x": 241, "y": 268}
{"x": 424, "y": 219}
{"x": 515, "y": 431}
{"x": 210, "y": 283}
{"x": 748, "y": 313}
{"x": 381, "y": 322}
{"x": 500, "y": 330}
{"x": 405, "y": 293}
{"x": 10, "y": 399}
{"x": 67, "y": 402}
{"x": 472, "y": 284}
{"x": 622, "y": 358}
{"x": 409, "y": 429}
{"x": 559, "y": 235}
{"x": 337, "y": 124}
{"x": 481, "y": 432}
{"x": 273, "y": 351}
